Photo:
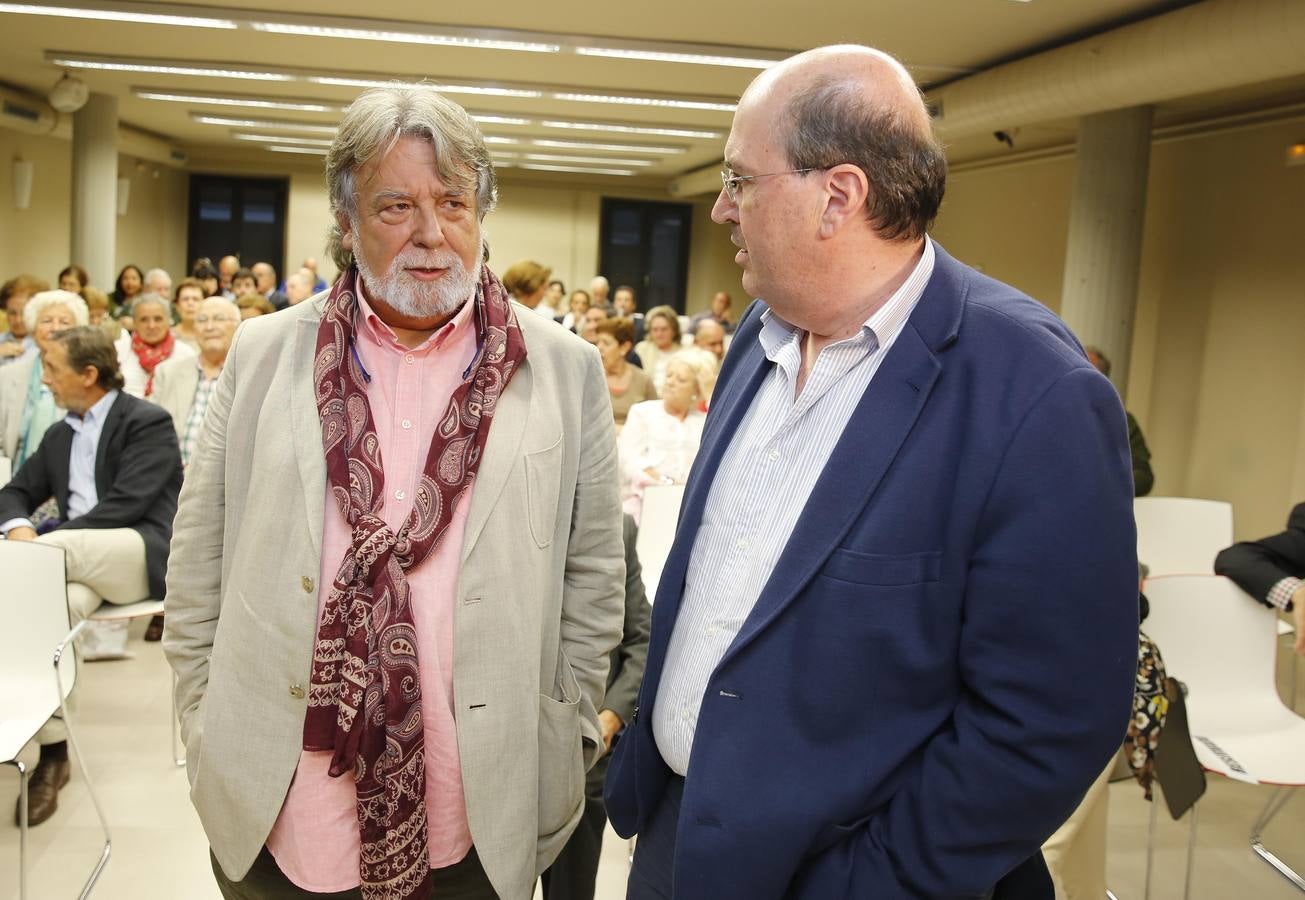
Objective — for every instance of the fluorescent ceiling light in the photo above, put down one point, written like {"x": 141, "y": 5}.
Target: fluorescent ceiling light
{"x": 405, "y": 37}
{"x": 213, "y": 72}
{"x": 280, "y": 124}
{"x": 645, "y": 101}
{"x": 486, "y": 119}
{"x": 702, "y": 59}
{"x": 614, "y": 148}
{"x": 314, "y": 151}
{"x": 631, "y": 129}
{"x": 542, "y": 168}
{"x": 553, "y": 157}
{"x": 446, "y": 88}
{"x": 114, "y": 15}
{"x": 283, "y": 139}
{"x": 251, "y": 102}
{"x": 497, "y": 139}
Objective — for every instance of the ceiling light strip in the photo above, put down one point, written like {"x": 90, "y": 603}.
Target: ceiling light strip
{"x": 447, "y": 88}
{"x": 613, "y": 148}
{"x": 701, "y": 59}
{"x": 631, "y": 100}
{"x": 116, "y": 15}
{"x": 538, "y": 167}
{"x": 615, "y": 128}
{"x": 280, "y": 148}
{"x": 161, "y": 69}
{"x": 275, "y": 124}
{"x": 405, "y": 37}
{"x": 282, "y": 139}
{"x": 602, "y": 160}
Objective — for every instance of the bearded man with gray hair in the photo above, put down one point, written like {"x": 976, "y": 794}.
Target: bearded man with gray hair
{"x": 409, "y": 570}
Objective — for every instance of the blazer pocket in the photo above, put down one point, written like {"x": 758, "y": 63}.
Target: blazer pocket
{"x": 543, "y": 479}
{"x": 883, "y": 569}
{"x": 561, "y": 761}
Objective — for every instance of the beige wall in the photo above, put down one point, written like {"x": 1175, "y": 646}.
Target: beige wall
{"x": 36, "y": 240}
{"x": 1218, "y": 375}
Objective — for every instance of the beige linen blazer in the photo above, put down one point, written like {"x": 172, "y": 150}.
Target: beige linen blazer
{"x": 539, "y": 595}
{"x": 175, "y": 382}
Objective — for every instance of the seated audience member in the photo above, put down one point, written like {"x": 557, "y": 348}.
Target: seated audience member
{"x": 158, "y": 281}
{"x": 707, "y": 366}
{"x": 140, "y": 352}
{"x": 298, "y": 287}
{"x": 1143, "y": 477}
{"x": 598, "y": 290}
{"x": 27, "y": 407}
{"x": 318, "y": 282}
{"x": 265, "y": 279}
{"x": 17, "y": 342}
{"x": 97, "y": 308}
{"x": 719, "y": 313}
{"x": 578, "y": 305}
{"x": 1272, "y": 570}
{"x": 228, "y": 266}
{"x": 556, "y": 294}
{"x": 627, "y": 384}
{"x": 709, "y": 336}
{"x": 130, "y": 283}
{"x": 527, "y": 281}
{"x": 244, "y": 282}
{"x": 251, "y": 305}
{"x": 207, "y": 275}
{"x": 625, "y": 304}
{"x": 73, "y": 279}
{"x": 661, "y": 437}
{"x": 113, "y": 466}
{"x": 190, "y": 294}
{"x": 663, "y": 342}
{"x": 573, "y": 874}
{"x": 593, "y": 315}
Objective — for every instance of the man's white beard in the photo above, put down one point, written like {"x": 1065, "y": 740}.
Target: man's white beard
{"x": 420, "y": 299}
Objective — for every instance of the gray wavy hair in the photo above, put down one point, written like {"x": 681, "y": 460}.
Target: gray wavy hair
{"x": 45, "y": 299}
{"x": 147, "y": 299}
{"x": 374, "y": 123}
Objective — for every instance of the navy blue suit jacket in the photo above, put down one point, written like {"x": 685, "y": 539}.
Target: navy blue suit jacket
{"x": 943, "y": 659}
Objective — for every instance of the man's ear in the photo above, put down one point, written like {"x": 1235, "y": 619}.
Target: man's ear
{"x": 847, "y": 191}
{"x": 90, "y": 375}
{"x": 346, "y": 231}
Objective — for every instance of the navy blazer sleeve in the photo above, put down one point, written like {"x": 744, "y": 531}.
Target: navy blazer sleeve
{"x": 31, "y": 484}
{"x": 1049, "y": 635}
{"x": 1257, "y": 566}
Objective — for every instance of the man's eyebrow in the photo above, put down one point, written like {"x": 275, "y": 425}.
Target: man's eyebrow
{"x": 386, "y": 196}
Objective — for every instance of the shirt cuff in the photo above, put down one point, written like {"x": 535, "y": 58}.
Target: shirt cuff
{"x": 1280, "y": 594}
{"x": 21, "y": 522}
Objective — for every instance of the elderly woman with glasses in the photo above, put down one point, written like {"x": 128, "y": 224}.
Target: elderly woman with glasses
{"x": 662, "y": 327}
{"x": 27, "y": 407}
{"x": 152, "y": 342}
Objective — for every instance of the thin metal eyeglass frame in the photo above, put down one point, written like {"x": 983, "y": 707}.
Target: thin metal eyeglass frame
{"x": 731, "y": 181}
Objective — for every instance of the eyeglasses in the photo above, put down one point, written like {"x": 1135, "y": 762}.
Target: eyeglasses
{"x": 732, "y": 181}
{"x": 204, "y": 320}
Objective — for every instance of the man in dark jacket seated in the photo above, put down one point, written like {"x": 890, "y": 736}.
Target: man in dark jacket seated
{"x": 1272, "y": 570}
{"x": 114, "y": 469}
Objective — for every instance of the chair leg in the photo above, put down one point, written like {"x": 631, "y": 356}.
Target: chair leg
{"x": 1191, "y": 852}
{"x": 1150, "y": 837}
{"x": 1279, "y": 799}
{"x": 22, "y": 826}
{"x": 81, "y": 765}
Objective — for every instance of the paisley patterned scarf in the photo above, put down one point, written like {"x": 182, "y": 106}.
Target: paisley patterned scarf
{"x": 364, "y": 701}
{"x": 150, "y": 355}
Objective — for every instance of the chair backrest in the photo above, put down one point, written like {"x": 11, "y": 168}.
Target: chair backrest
{"x": 659, "y": 514}
{"x": 1214, "y": 637}
{"x": 6, "y": 469}
{"x": 1181, "y": 535}
{"x": 34, "y": 609}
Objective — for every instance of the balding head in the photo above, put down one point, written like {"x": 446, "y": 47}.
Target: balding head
{"x": 710, "y": 336}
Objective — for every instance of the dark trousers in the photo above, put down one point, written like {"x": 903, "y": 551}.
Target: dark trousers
{"x": 465, "y": 880}
{"x": 573, "y": 874}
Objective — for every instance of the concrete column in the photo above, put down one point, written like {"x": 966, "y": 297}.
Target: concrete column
{"x": 1104, "y": 258}
{"x": 95, "y": 188}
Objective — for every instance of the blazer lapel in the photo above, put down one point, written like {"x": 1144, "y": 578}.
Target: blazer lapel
{"x": 502, "y": 452}
{"x": 112, "y": 422}
{"x": 59, "y": 437}
{"x": 306, "y": 429}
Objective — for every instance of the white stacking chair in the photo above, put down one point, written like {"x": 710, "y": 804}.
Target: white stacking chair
{"x": 1181, "y": 535}
{"x": 659, "y": 514}
{"x": 6, "y": 469}
{"x": 1221, "y": 643}
{"x": 34, "y": 606}
{"x": 112, "y": 612}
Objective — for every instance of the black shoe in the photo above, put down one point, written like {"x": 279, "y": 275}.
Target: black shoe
{"x": 155, "y": 630}
{"x": 43, "y": 791}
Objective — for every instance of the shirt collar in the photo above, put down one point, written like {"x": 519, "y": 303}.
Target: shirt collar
{"x": 380, "y": 334}
{"x": 882, "y": 325}
{"x": 95, "y": 416}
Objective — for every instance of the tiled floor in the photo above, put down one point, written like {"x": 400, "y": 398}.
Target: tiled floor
{"x": 159, "y": 850}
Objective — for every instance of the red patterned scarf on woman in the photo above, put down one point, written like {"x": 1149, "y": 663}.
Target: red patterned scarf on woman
{"x": 364, "y": 700}
{"x": 150, "y": 355}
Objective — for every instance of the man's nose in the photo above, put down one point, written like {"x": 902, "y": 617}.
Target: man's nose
{"x": 427, "y": 231}
{"x": 724, "y": 211}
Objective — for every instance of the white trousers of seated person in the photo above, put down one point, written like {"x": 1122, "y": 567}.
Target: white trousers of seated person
{"x": 102, "y": 564}
{"x": 1076, "y": 853}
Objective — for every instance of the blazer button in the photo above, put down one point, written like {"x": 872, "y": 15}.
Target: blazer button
{"x": 307, "y": 584}
{"x": 297, "y": 691}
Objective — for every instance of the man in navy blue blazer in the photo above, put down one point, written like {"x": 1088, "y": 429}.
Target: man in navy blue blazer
{"x": 895, "y": 638}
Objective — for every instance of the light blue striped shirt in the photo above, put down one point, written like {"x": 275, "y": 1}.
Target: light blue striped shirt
{"x": 765, "y": 478}
{"x": 82, "y": 493}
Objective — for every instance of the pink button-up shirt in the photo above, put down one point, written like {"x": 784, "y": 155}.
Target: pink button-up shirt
{"x": 315, "y": 840}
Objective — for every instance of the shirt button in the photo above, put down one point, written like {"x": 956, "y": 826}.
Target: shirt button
{"x": 297, "y": 691}
{"x": 741, "y": 543}
{"x": 408, "y": 358}
{"x": 307, "y": 584}
{"x": 711, "y": 629}
{"x": 684, "y": 714}
{"x": 774, "y": 455}
{"x": 406, "y": 423}
{"x": 399, "y": 495}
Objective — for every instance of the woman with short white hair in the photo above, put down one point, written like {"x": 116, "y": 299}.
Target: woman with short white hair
{"x": 150, "y": 343}
{"x": 27, "y": 407}
{"x": 660, "y": 438}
